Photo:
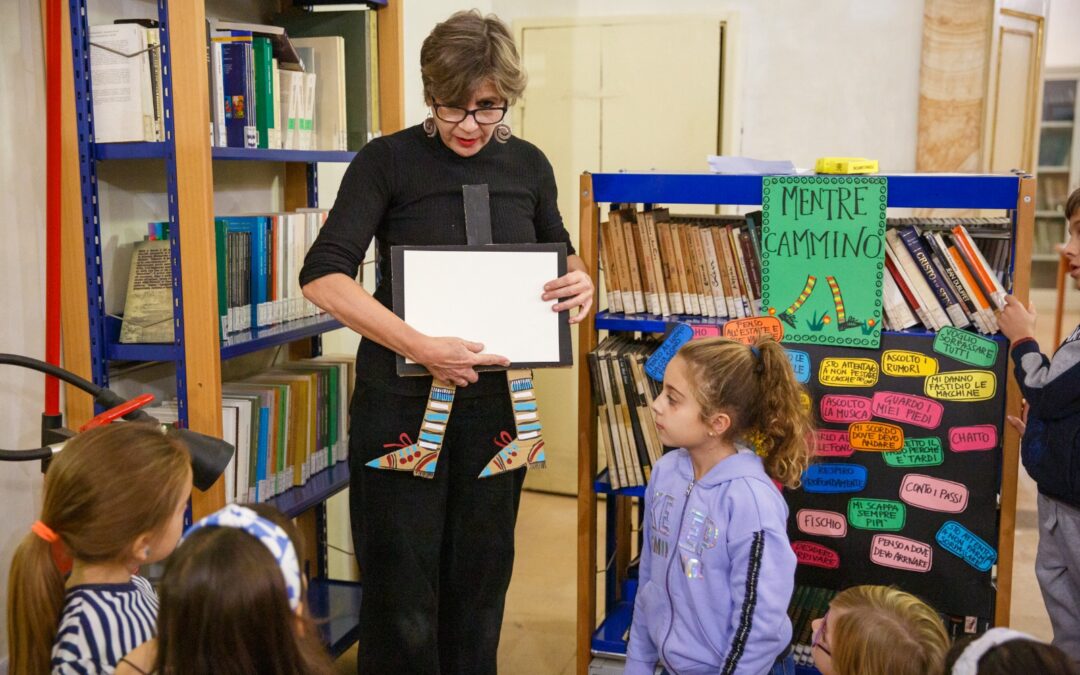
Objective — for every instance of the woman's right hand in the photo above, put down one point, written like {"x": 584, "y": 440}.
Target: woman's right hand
{"x": 454, "y": 360}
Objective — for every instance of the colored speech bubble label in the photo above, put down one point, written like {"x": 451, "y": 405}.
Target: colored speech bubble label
{"x": 657, "y": 362}
{"x": 917, "y": 452}
{"x": 977, "y": 437}
{"x": 966, "y": 545}
{"x": 909, "y": 408}
{"x": 821, "y": 523}
{"x": 800, "y": 364}
{"x": 901, "y": 363}
{"x": 876, "y": 436}
{"x": 876, "y": 514}
{"x": 966, "y": 347}
{"x": 934, "y": 494}
{"x": 705, "y": 330}
{"x": 843, "y": 372}
{"x": 902, "y": 553}
{"x": 834, "y": 478}
{"x": 805, "y": 400}
{"x": 747, "y": 330}
{"x": 961, "y": 385}
{"x": 834, "y": 443}
{"x": 845, "y": 408}
{"x": 815, "y": 555}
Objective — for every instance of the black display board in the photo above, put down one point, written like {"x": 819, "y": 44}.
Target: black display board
{"x": 923, "y": 518}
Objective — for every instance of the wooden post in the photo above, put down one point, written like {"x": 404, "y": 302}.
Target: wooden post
{"x": 586, "y": 544}
{"x": 391, "y": 67}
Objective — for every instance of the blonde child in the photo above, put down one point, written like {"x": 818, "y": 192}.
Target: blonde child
{"x": 232, "y": 602}
{"x": 878, "y": 630}
{"x": 717, "y": 570}
{"x": 114, "y": 500}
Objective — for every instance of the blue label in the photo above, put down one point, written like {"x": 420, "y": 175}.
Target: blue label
{"x": 832, "y": 478}
{"x": 800, "y": 363}
{"x": 966, "y": 545}
{"x": 656, "y": 364}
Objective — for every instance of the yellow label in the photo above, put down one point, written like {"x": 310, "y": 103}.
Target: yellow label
{"x": 900, "y": 363}
{"x": 845, "y": 165}
{"x": 804, "y": 399}
{"x": 961, "y": 385}
{"x": 841, "y": 372}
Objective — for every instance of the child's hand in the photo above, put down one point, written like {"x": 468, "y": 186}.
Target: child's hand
{"x": 1020, "y": 423}
{"x": 1016, "y": 321}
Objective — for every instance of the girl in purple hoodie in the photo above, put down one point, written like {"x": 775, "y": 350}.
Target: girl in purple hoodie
{"x": 717, "y": 570}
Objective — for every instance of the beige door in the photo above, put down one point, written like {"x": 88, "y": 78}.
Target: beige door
{"x": 606, "y": 96}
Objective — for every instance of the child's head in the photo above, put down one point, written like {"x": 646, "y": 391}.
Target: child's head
{"x": 878, "y": 630}
{"x": 1072, "y": 247}
{"x": 726, "y": 390}
{"x": 1001, "y": 651}
{"x": 234, "y": 589}
{"x": 114, "y": 495}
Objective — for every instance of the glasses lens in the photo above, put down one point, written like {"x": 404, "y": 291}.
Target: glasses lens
{"x": 489, "y": 115}
{"x": 449, "y": 113}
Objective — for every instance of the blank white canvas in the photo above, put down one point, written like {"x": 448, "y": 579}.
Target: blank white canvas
{"x": 491, "y": 297}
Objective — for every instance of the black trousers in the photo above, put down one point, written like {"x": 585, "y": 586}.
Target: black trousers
{"x": 435, "y": 555}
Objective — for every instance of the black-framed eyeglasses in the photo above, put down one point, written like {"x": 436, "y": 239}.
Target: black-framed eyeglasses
{"x": 456, "y": 115}
{"x": 820, "y": 633}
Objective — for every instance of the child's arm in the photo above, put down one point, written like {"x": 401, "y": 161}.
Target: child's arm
{"x": 641, "y": 653}
{"x": 761, "y": 582}
{"x": 1045, "y": 383}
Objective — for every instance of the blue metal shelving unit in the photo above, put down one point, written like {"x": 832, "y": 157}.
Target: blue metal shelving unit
{"x": 951, "y": 191}
{"x": 336, "y": 601}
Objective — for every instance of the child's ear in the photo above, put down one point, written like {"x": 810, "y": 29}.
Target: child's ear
{"x": 140, "y": 548}
{"x": 719, "y": 423}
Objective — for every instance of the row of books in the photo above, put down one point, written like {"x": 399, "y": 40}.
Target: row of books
{"x": 287, "y": 424}
{"x": 258, "y": 268}
{"x": 941, "y": 272}
{"x": 623, "y": 394}
{"x": 317, "y": 90}
{"x": 691, "y": 265}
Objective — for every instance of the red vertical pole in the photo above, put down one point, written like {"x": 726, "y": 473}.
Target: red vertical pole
{"x": 52, "y": 37}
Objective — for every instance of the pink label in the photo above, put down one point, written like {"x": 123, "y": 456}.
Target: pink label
{"x": 845, "y": 409}
{"x": 933, "y": 494}
{"x": 822, "y": 523}
{"x": 705, "y": 331}
{"x": 978, "y": 437}
{"x": 902, "y": 553}
{"x": 834, "y": 443}
{"x": 815, "y": 555}
{"x": 917, "y": 410}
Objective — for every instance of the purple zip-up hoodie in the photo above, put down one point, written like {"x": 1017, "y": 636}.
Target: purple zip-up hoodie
{"x": 717, "y": 570}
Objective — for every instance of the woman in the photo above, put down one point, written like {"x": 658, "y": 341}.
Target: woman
{"x": 436, "y": 555}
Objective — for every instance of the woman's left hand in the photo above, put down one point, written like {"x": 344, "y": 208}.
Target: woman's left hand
{"x": 573, "y": 289}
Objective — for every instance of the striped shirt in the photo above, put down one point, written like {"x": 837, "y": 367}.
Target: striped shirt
{"x": 101, "y": 623}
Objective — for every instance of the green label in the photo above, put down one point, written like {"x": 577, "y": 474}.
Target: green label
{"x": 822, "y": 257}
{"x": 965, "y": 347}
{"x": 917, "y": 452}
{"x": 876, "y": 514}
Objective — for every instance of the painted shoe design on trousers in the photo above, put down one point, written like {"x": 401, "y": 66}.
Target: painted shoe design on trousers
{"x": 527, "y": 447}
{"x": 422, "y": 457}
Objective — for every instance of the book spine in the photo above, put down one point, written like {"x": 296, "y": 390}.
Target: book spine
{"x": 980, "y": 267}
{"x": 902, "y": 283}
{"x": 611, "y": 278}
{"x": 917, "y": 282}
{"x": 910, "y": 238}
{"x": 645, "y": 264}
{"x": 632, "y": 256}
{"x": 708, "y": 298}
{"x": 667, "y": 260}
{"x": 684, "y": 265}
{"x": 944, "y": 265}
{"x": 653, "y": 240}
{"x": 973, "y": 289}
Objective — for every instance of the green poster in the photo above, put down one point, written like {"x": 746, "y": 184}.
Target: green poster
{"x": 823, "y": 256}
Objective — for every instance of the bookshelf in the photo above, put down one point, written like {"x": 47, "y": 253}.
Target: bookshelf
{"x": 1013, "y": 193}
{"x": 91, "y": 336}
{"x": 1058, "y": 169}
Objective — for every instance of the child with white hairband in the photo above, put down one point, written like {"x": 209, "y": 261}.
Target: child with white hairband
{"x": 232, "y": 602}
{"x": 1002, "y": 651}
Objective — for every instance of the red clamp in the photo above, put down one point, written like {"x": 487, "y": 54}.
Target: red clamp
{"x": 119, "y": 411}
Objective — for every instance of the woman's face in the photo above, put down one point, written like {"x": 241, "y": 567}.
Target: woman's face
{"x": 466, "y": 138}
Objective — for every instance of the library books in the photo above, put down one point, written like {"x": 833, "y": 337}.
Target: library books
{"x": 286, "y": 424}
{"x": 328, "y": 65}
{"x": 125, "y": 68}
{"x": 940, "y": 272}
{"x": 148, "y": 313}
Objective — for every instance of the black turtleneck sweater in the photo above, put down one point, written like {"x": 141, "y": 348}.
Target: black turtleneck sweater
{"x": 405, "y": 189}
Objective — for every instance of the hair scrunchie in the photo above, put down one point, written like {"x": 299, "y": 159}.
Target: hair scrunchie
{"x": 269, "y": 534}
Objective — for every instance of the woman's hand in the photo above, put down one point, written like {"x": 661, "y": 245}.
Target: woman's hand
{"x": 573, "y": 289}
{"x": 454, "y": 360}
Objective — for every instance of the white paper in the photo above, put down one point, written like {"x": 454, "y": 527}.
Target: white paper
{"x": 749, "y": 165}
{"x": 491, "y": 297}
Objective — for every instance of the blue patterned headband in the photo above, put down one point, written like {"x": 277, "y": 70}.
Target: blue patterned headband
{"x": 269, "y": 534}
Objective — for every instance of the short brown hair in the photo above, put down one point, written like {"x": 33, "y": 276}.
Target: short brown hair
{"x": 465, "y": 51}
{"x": 1072, "y": 205}
{"x": 885, "y": 630}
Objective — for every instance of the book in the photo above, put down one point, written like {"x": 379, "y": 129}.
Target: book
{"x": 264, "y": 90}
{"x": 148, "y": 304}
{"x": 911, "y": 238}
{"x": 672, "y": 281}
{"x": 237, "y": 78}
{"x": 123, "y": 101}
{"x": 613, "y": 293}
{"x": 652, "y": 241}
{"x": 916, "y": 282}
{"x": 990, "y": 283}
{"x": 330, "y": 104}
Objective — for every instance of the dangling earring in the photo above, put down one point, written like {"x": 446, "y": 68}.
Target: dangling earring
{"x": 502, "y": 132}
{"x": 429, "y": 126}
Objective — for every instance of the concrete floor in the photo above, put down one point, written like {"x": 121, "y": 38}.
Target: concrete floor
{"x": 538, "y": 629}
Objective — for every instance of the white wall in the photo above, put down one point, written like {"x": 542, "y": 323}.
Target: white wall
{"x": 1063, "y": 34}
{"x": 22, "y": 295}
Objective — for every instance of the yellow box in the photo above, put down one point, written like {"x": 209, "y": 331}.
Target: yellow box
{"x": 846, "y": 165}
